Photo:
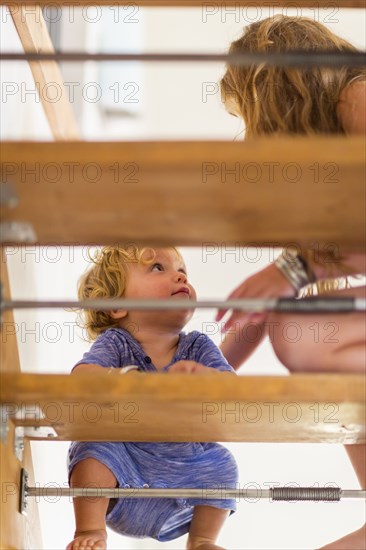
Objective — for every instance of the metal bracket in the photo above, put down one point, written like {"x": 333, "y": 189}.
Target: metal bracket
{"x": 4, "y": 428}
{"x": 13, "y": 231}
{"x": 34, "y": 432}
{"x": 23, "y": 492}
{"x": 17, "y": 232}
{"x": 22, "y": 413}
{"x": 19, "y": 442}
{"x": 29, "y": 412}
{"x": 8, "y": 195}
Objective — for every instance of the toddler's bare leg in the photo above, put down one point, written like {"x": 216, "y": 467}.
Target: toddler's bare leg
{"x": 90, "y": 512}
{"x": 206, "y": 525}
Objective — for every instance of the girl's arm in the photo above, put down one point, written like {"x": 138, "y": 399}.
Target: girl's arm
{"x": 238, "y": 345}
{"x": 349, "y": 263}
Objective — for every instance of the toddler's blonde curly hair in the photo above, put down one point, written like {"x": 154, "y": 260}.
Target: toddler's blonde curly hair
{"x": 107, "y": 278}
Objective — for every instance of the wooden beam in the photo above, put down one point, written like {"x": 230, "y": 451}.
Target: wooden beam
{"x": 9, "y": 354}
{"x": 16, "y": 530}
{"x": 144, "y": 407}
{"x": 35, "y": 38}
{"x": 209, "y": 6}
{"x": 265, "y": 191}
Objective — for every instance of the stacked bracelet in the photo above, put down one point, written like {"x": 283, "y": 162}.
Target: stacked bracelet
{"x": 295, "y": 269}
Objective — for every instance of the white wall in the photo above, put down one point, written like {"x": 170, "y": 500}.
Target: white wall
{"x": 171, "y": 107}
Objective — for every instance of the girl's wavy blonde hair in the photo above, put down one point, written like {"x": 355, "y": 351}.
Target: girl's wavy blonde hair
{"x": 107, "y": 278}
{"x": 290, "y": 100}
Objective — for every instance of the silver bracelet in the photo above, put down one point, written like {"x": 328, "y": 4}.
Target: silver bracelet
{"x": 295, "y": 269}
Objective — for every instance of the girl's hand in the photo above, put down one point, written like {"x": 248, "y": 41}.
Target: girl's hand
{"x": 268, "y": 283}
{"x": 191, "y": 367}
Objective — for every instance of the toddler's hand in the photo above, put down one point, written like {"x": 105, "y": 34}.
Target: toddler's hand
{"x": 191, "y": 367}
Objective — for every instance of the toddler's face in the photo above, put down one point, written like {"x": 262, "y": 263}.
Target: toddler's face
{"x": 166, "y": 278}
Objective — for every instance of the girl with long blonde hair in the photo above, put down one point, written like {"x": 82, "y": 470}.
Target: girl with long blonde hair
{"x": 303, "y": 101}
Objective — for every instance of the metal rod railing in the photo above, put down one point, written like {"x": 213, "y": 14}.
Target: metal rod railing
{"x": 302, "y": 58}
{"x": 305, "y": 305}
{"x": 275, "y": 493}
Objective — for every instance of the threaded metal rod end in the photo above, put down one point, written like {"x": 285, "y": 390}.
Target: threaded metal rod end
{"x": 306, "y": 493}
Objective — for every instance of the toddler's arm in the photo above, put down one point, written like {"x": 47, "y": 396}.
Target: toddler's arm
{"x": 84, "y": 367}
{"x": 192, "y": 367}
{"x": 111, "y": 370}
